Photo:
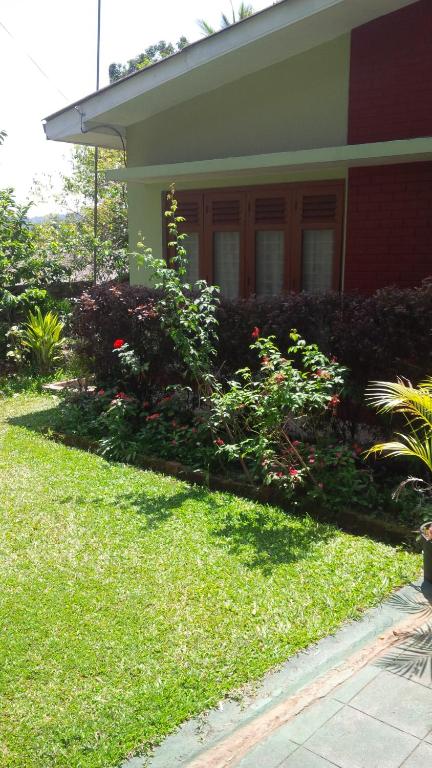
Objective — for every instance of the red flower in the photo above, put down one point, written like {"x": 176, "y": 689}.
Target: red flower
{"x": 279, "y": 474}
{"x": 293, "y": 472}
{"x": 323, "y": 374}
{"x": 296, "y": 443}
{"x": 279, "y": 378}
{"x": 146, "y": 404}
{"x": 118, "y": 343}
{"x": 265, "y": 360}
{"x": 153, "y": 417}
{"x": 219, "y": 442}
{"x": 121, "y": 396}
{"x": 334, "y": 402}
{"x": 101, "y": 392}
{"x": 311, "y": 460}
{"x": 255, "y": 333}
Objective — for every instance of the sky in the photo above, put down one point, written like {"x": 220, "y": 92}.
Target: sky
{"x": 60, "y": 37}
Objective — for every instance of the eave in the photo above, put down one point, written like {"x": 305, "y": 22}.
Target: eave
{"x": 346, "y": 156}
{"x": 279, "y": 32}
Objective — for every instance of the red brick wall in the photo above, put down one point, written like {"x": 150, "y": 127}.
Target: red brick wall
{"x": 389, "y": 226}
{"x": 391, "y": 76}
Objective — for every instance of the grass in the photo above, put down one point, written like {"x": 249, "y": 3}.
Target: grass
{"x": 131, "y": 601}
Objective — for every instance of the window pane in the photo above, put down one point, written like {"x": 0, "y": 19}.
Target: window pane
{"x": 191, "y": 246}
{"x": 269, "y": 263}
{"x": 227, "y": 263}
{"x": 317, "y": 260}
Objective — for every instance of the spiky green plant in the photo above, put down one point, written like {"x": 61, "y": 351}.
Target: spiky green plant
{"x": 415, "y": 405}
{"x": 244, "y": 11}
{"x": 42, "y": 339}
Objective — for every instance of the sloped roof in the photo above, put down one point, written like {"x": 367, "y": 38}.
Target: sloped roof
{"x": 269, "y": 36}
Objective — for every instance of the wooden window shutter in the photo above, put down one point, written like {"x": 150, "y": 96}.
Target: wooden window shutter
{"x": 317, "y": 238}
{"x": 191, "y": 208}
{"x": 224, "y": 222}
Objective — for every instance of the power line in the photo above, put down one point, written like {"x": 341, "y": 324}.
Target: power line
{"x": 34, "y": 62}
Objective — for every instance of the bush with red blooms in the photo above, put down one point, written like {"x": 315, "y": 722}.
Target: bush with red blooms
{"x": 376, "y": 337}
{"x": 259, "y": 416}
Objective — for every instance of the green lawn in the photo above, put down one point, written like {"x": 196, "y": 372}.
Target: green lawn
{"x": 130, "y": 601}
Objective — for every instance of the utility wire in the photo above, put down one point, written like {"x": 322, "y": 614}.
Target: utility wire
{"x": 34, "y": 62}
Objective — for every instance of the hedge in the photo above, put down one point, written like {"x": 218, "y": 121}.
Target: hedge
{"x": 381, "y": 336}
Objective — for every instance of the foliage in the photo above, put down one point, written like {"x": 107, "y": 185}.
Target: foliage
{"x": 415, "y": 407}
{"x": 21, "y": 261}
{"x": 372, "y": 336}
{"x": 40, "y": 340}
{"x": 151, "y": 55}
{"x": 257, "y": 416}
{"x": 125, "y": 589}
{"x": 244, "y": 11}
{"x": 187, "y": 312}
{"x": 70, "y": 238}
{"x": 3, "y": 135}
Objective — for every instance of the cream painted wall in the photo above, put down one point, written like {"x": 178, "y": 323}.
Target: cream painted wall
{"x": 301, "y": 103}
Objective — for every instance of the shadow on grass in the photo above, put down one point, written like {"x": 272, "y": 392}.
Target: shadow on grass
{"x": 262, "y": 537}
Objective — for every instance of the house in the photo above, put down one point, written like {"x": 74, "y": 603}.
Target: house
{"x": 299, "y": 140}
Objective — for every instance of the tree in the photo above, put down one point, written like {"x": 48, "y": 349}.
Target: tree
{"x": 151, "y": 55}
{"x": 244, "y": 11}
{"x": 71, "y": 238}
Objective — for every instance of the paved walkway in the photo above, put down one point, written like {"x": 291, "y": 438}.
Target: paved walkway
{"x": 381, "y": 717}
{"x": 360, "y": 699}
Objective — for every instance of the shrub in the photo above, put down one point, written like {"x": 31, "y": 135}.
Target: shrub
{"x": 39, "y": 340}
{"x": 379, "y": 336}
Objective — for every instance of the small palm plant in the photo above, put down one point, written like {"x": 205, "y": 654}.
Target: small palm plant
{"x": 415, "y": 406}
{"x": 42, "y": 339}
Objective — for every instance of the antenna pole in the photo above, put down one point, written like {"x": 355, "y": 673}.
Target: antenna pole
{"x": 96, "y": 155}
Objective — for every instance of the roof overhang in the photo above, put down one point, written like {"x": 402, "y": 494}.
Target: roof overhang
{"x": 279, "y": 32}
{"x": 345, "y": 156}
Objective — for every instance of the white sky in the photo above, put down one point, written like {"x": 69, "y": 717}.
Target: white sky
{"x": 60, "y": 35}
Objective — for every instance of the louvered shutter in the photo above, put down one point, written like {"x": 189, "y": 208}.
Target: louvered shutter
{"x": 267, "y": 249}
{"x": 190, "y": 207}
{"x": 224, "y": 226}
{"x": 318, "y": 237}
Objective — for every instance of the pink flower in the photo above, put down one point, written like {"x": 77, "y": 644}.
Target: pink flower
{"x": 334, "y": 402}
{"x": 322, "y": 374}
{"x": 118, "y": 343}
{"x": 121, "y": 396}
{"x": 293, "y": 472}
{"x": 296, "y": 443}
{"x": 311, "y": 460}
{"x": 265, "y": 360}
{"x": 101, "y": 392}
{"x": 153, "y": 417}
{"x": 279, "y": 474}
{"x": 219, "y": 442}
{"x": 279, "y": 378}
{"x": 146, "y": 404}
{"x": 255, "y": 333}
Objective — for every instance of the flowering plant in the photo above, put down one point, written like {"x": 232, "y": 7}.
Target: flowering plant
{"x": 260, "y": 418}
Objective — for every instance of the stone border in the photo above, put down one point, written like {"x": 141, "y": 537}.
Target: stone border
{"x": 349, "y": 520}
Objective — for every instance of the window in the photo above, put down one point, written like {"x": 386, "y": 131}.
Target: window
{"x": 265, "y": 240}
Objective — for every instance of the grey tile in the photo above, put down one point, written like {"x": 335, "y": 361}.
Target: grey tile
{"x": 420, "y": 758}
{"x": 397, "y": 701}
{"x": 347, "y": 690}
{"x": 302, "y": 758}
{"x": 429, "y": 738}
{"x": 301, "y": 727}
{"x": 269, "y": 753}
{"x": 354, "y": 740}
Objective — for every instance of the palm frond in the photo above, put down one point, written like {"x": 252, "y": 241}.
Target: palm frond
{"x": 205, "y": 27}
{"x": 401, "y": 397}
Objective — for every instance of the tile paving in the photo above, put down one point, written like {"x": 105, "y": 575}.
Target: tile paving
{"x": 381, "y": 717}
